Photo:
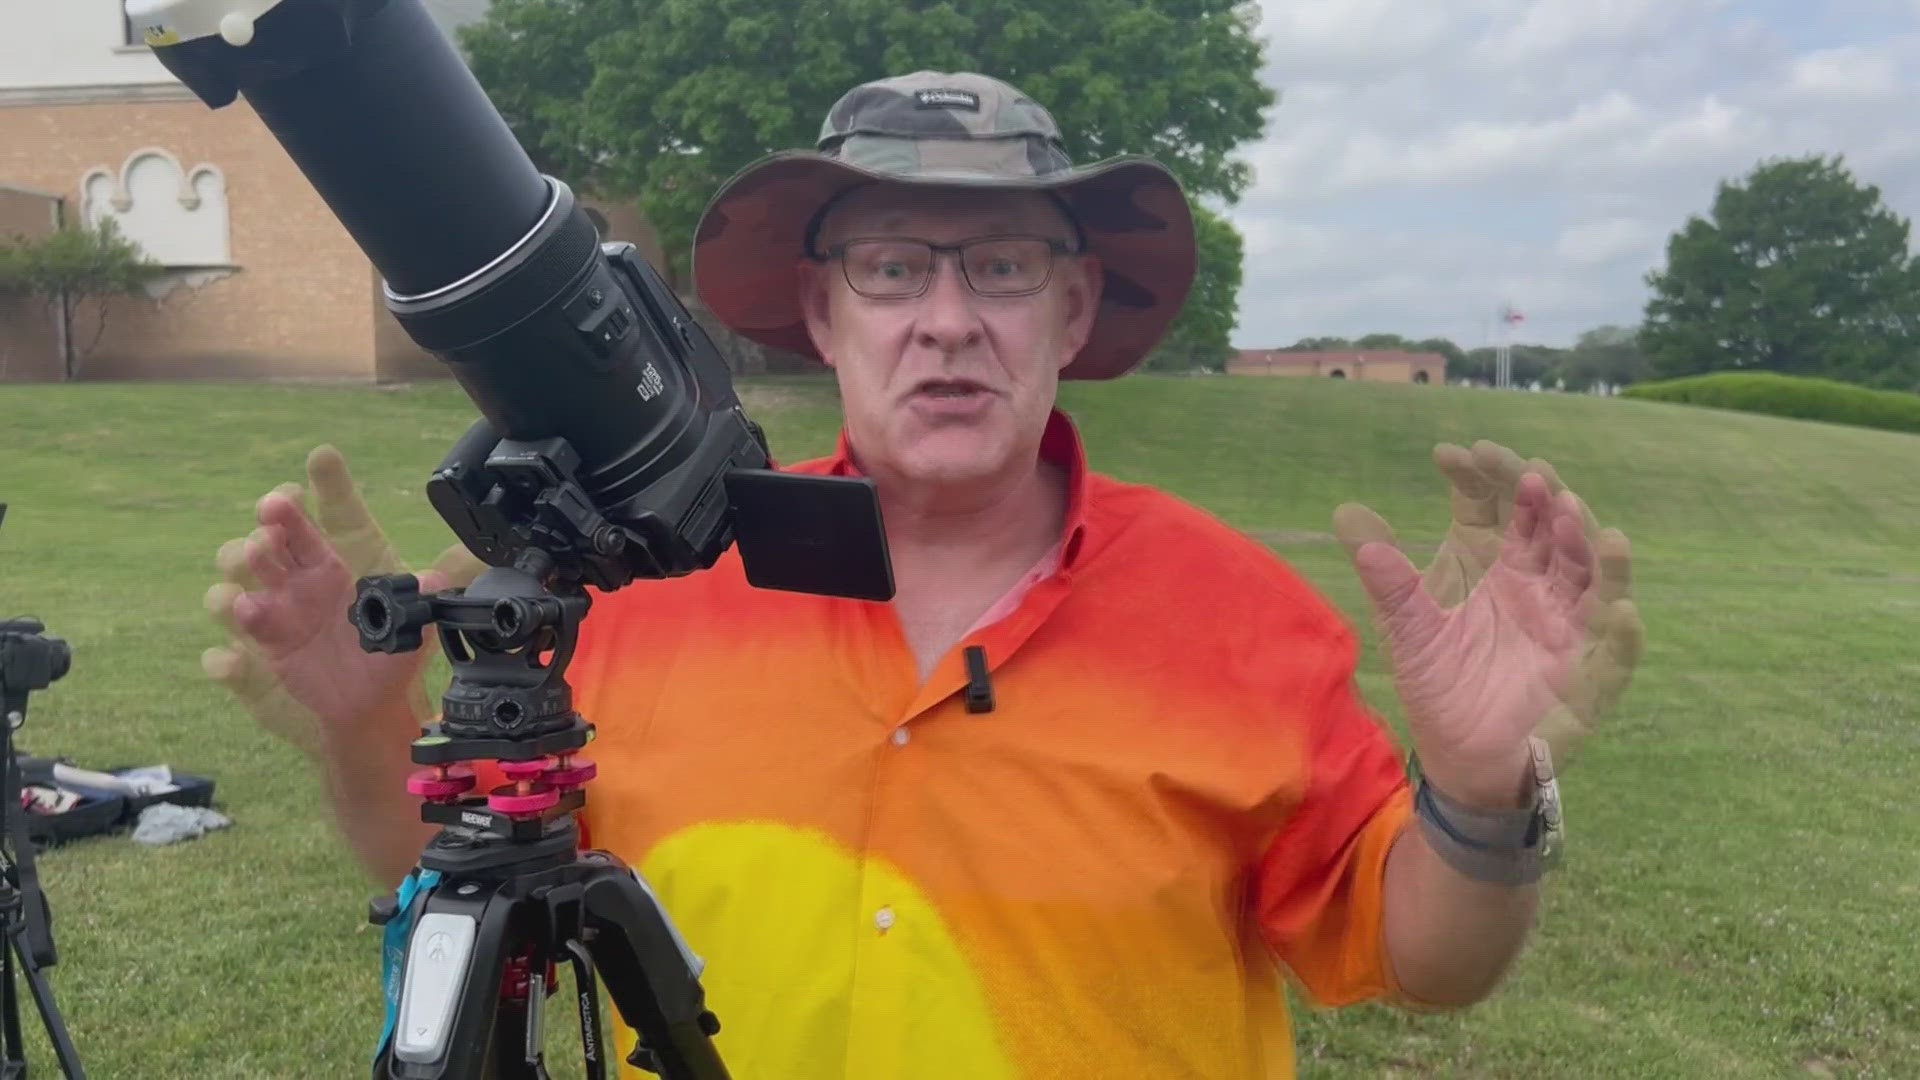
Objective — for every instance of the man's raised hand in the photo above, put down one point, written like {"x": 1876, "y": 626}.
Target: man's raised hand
{"x": 292, "y": 658}
{"x": 1484, "y": 480}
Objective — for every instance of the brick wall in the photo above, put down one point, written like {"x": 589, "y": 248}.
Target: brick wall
{"x": 301, "y": 301}
{"x": 29, "y": 327}
{"x": 296, "y": 304}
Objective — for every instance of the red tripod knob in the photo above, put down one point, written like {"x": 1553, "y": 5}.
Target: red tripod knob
{"x": 526, "y": 770}
{"x": 441, "y": 783}
{"x": 523, "y": 798}
{"x": 571, "y": 775}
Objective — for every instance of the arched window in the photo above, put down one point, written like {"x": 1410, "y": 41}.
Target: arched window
{"x": 177, "y": 216}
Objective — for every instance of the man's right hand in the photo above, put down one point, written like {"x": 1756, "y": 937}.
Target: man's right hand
{"x": 292, "y": 657}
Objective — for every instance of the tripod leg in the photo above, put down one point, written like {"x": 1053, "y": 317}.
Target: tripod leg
{"x": 588, "y": 990}
{"x": 519, "y": 1032}
{"x": 49, "y": 1015}
{"x": 508, "y": 1054}
{"x": 462, "y": 1011}
{"x": 653, "y": 978}
{"x": 16, "y": 1048}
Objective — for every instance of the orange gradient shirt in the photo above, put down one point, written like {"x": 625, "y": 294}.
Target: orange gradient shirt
{"x": 1177, "y": 798}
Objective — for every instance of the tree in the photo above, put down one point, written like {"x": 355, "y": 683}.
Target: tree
{"x": 1319, "y": 344}
{"x": 535, "y": 60}
{"x": 73, "y": 266}
{"x": 1799, "y": 269}
{"x": 662, "y": 100}
{"x": 1604, "y": 354}
{"x": 1201, "y": 337}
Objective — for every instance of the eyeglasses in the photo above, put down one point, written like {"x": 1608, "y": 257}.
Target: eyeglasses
{"x": 895, "y": 268}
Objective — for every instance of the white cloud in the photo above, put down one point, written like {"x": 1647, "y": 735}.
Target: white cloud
{"x": 1477, "y": 147}
{"x": 1585, "y": 24}
{"x": 1602, "y": 241}
{"x": 1849, "y": 73}
{"x": 1355, "y": 40}
{"x": 1430, "y": 161}
{"x": 1707, "y": 131}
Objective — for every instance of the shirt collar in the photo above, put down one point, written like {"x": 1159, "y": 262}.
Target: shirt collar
{"x": 1059, "y": 443}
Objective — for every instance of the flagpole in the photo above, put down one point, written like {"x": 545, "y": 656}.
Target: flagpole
{"x": 1503, "y": 352}
{"x": 1502, "y": 358}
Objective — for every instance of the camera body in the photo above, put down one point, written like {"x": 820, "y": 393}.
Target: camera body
{"x": 625, "y": 503}
{"x": 611, "y": 441}
{"x": 29, "y": 660}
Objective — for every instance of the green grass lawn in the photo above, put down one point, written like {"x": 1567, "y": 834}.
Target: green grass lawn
{"x": 1743, "y": 881}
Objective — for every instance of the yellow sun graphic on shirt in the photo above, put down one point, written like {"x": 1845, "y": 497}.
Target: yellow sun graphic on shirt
{"x": 784, "y": 987}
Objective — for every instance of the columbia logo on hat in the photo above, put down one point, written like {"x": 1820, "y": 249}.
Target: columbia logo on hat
{"x": 947, "y": 99}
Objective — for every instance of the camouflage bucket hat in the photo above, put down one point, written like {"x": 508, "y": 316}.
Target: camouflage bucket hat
{"x": 938, "y": 129}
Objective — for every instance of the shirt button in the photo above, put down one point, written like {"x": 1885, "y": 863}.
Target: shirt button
{"x": 883, "y": 918}
{"x": 900, "y": 736}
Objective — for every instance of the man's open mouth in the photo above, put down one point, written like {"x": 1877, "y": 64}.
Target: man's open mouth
{"x": 949, "y": 388}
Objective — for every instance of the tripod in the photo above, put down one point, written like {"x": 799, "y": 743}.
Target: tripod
{"x": 28, "y": 662}
{"x": 501, "y": 895}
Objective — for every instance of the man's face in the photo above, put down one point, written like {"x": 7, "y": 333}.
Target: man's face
{"x": 947, "y": 386}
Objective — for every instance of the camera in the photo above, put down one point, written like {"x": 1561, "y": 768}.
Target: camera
{"x": 28, "y": 659}
{"x": 611, "y": 440}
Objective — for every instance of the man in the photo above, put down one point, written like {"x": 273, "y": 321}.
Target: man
{"x": 1175, "y": 794}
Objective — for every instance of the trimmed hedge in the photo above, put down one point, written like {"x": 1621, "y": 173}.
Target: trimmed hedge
{"x": 1791, "y": 396}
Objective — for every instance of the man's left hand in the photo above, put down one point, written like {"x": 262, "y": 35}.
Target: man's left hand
{"x": 1477, "y": 678}
{"x": 1483, "y": 480}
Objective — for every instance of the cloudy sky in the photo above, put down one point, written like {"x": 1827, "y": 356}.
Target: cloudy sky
{"x": 1430, "y": 160}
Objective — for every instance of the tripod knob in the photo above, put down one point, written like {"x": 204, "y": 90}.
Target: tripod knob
{"x": 515, "y": 800}
{"x": 572, "y": 775}
{"x": 441, "y": 783}
{"x": 389, "y": 612}
{"x": 525, "y": 770}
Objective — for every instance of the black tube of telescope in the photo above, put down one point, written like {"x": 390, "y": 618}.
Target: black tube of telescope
{"x": 480, "y": 251}
{"x": 384, "y": 119}
{"x": 496, "y": 269}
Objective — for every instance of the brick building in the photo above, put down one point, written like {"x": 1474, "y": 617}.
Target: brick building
{"x": 1368, "y": 365}
{"x": 261, "y": 281}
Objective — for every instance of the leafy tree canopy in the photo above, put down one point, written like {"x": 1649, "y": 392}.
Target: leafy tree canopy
{"x": 1798, "y": 268}
{"x": 662, "y": 100}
